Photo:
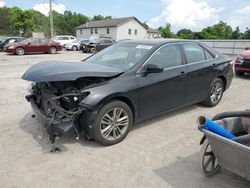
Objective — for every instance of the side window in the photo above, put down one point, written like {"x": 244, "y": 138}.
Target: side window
{"x": 167, "y": 57}
{"x": 72, "y": 38}
{"x": 11, "y": 41}
{"x": 107, "y": 41}
{"x": 208, "y": 55}
{"x": 35, "y": 41}
{"x": 44, "y": 41}
{"x": 194, "y": 53}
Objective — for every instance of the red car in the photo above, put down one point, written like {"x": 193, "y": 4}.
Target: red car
{"x": 33, "y": 45}
{"x": 242, "y": 63}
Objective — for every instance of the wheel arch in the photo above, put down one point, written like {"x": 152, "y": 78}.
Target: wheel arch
{"x": 224, "y": 81}
{"x": 122, "y": 98}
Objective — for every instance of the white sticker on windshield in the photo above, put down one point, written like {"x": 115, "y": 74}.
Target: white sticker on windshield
{"x": 144, "y": 47}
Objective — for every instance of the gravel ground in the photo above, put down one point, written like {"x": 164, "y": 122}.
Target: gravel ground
{"x": 161, "y": 152}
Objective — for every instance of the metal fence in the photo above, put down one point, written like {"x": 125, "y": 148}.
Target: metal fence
{"x": 228, "y": 47}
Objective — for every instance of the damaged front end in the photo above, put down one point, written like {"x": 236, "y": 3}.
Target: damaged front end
{"x": 58, "y": 104}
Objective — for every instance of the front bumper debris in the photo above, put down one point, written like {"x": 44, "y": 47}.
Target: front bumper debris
{"x": 54, "y": 127}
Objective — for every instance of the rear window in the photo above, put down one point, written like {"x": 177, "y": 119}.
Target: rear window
{"x": 63, "y": 38}
{"x": 196, "y": 53}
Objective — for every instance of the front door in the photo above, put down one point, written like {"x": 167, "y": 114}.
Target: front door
{"x": 166, "y": 90}
{"x": 33, "y": 46}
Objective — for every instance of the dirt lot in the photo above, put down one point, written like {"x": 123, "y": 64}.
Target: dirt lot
{"x": 162, "y": 152}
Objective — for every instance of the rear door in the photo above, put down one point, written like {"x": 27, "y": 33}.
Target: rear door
{"x": 165, "y": 90}
{"x": 44, "y": 45}
{"x": 200, "y": 71}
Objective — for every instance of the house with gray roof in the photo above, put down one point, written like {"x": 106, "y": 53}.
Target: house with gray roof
{"x": 116, "y": 29}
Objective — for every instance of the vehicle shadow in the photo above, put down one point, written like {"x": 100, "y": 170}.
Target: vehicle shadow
{"x": 167, "y": 115}
{"x": 37, "y": 131}
{"x": 187, "y": 172}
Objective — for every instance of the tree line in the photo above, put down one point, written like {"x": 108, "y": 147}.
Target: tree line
{"x": 15, "y": 21}
{"x": 220, "y": 30}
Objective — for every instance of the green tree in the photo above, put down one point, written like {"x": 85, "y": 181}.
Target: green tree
{"x": 5, "y": 26}
{"x": 236, "y": 34}
{"x": 100, "y": 17}
{"x": 246, "y": 34}
{"x": 217, "y": 31}
{"x": 66, "y": 23}
{"x": 166, "y": 31}
{"x": 185, "y": 34}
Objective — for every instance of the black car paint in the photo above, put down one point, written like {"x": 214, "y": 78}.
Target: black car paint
{"x": 45, "y": 71}
{"x": 152, "y": 94}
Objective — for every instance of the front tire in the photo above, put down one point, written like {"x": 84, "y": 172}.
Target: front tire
{"x": 113, "y": 123}
{"x": 19, "y": 51}
{"x": 215, "y": 93}
{"x": 52, "y": 50}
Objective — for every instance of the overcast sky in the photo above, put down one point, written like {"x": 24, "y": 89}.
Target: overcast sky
{"x": 192, "y": 14}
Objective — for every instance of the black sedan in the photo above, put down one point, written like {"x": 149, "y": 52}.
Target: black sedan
{"x": 128, "y": 82}
{"x": 10, "y": 40}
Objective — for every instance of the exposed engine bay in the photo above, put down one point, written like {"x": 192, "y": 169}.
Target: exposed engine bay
{"x": 60, "y": 102}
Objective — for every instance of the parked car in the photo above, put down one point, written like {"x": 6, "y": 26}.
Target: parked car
{"x": 10, "y": 40}
{"x": 33, "y": 45}
{"x": 130, "y": 81}
{"x": 83, "y": 43}
{"x": 75, "y": 45}
{"x": 242, "y": 63}
{"x": 97, "y": 45}
{"x": 64, "y": 39}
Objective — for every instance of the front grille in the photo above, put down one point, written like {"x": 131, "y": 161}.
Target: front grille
{"x": 246, "y": 63}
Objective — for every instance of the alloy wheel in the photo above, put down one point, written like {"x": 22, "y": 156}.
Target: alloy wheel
{"x": 216, "y": 92}
{"x": 19, "y": 51}
{"x": 114, "y": 124}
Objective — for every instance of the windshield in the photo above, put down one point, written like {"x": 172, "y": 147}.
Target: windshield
{"x": 122, "y": 55}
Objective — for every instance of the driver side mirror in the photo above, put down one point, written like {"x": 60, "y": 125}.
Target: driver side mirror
{"x": 152, "y": 68}
{"x": 28, "y": 43}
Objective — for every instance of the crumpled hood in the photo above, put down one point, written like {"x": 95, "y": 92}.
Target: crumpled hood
{"x": 62, "y": 71}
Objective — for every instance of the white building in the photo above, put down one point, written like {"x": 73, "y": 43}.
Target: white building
{"x": 116, "y": 29}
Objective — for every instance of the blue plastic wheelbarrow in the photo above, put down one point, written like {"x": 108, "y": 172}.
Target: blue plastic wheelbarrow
{"x": 220, "y": 152}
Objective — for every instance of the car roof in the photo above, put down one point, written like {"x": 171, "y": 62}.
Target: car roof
{"x": 156, "y": 42}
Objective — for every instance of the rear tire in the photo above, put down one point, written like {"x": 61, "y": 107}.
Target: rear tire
{"x": 215, "y": 93}
{"x": 238, "y": 73}
{"x": 74, "y": 48}
{"x": 52, "y": 50}
{"x": 93, "y": 50}
{"x": 113, "y": 123}
{"x": 19, "y": 51}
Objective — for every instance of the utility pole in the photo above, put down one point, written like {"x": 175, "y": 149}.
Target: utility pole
{"x": 51, "y": 19}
